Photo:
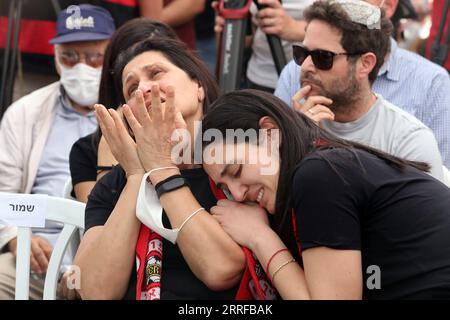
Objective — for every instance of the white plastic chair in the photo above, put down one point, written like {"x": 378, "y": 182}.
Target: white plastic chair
{"x": 68, "y": 190}
{"x": 68, "y": 212}
{"x": 76, "y": 239}
{"x": 446, "y": 176}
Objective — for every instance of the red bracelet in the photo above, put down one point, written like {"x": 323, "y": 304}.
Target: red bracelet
{"x": 273, "y": 256}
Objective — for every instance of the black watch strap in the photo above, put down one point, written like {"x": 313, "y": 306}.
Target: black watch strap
{"x": 170, "y": 184}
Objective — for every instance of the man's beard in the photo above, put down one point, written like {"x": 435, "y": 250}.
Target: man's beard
{"x": 345, "y": 91}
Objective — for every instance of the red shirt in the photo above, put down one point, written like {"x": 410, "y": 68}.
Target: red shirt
{"x": 438, "y": 8}
{"x": 185, "y": 32}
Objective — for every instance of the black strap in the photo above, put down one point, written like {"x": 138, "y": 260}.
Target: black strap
{"x": 10, "y": 55}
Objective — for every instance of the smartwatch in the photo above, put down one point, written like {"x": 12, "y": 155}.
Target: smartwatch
{"x": 170, "y": 184}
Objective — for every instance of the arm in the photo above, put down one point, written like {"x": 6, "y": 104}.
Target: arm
{"x": 12, "y": 154}
{"x": 211, "y": 254}
{"x": 174, "y": 14}
{"x": 329, "y": 230}
{"x": 7, "y": 233}
{"x": 11, "y": 175}
{"x": 83, "y": 189}
{"x": 100, "y": 246}
{"x": 151, "y": 9}
{"x": 329, "y": 274}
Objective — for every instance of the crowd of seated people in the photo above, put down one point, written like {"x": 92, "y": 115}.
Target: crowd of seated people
{"x": 348, "y": 166}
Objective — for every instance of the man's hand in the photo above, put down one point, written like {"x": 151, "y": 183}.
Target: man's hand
{"x": 276, "y": 21}
{"x": 219, "y": 21}
{"x": 40, "y": 253}
{"x": 314, "y": 107}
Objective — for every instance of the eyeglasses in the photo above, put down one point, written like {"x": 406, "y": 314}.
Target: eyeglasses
{"x": 72, "y": 57}
{"x": 322, "y": 59}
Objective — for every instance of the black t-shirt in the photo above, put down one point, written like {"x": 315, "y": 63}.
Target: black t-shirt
{"x": 398, "y": 219}
{"x": 83, "y": 161}
{"x": 178, "y": 281}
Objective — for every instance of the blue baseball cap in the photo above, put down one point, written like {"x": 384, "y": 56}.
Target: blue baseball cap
{"x": 83, "y": 22}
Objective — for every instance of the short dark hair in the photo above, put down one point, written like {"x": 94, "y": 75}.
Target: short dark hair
{"x": 124, "y": 37}
{"x": 127, "y": 35}
{"x": 179, "y": 54}
{"x": 355, "y": 37}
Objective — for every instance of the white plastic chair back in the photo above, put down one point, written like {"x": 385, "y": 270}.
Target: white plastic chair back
{"x": 68, "y": 212}
{"x": 76, "y": 239}
{"x": 68, "y": 190}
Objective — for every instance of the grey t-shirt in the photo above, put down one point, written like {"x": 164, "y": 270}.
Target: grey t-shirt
{"x": 392, "y": 130}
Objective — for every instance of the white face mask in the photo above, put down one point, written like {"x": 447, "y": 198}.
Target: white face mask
{"x": 149, "y": 211}
{"x": 81, "y": 83}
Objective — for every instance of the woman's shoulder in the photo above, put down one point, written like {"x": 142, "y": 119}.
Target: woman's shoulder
{"x": 331, "y": 164}
{"x": 84, "y": 145}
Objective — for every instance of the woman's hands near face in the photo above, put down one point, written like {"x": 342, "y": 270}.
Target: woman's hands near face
{"x": 105, "y": 156}
{"x": 122, "y": 146}
{"x": 154, "y": 126}
{"x": 244, "y": 222}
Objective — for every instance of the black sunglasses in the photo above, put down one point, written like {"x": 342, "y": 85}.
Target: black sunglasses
{"x": 322, "y": 59}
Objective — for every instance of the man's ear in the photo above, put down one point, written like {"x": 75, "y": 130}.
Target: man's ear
{"x": 366, "y": 64}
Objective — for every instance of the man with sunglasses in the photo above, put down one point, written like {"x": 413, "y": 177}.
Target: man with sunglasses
{"x": 38, "y": 131}
{"x": 346, "y": 42}
{"x": 405, "y": 79}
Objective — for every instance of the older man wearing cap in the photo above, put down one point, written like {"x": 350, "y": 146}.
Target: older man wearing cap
{"x": 37, "y": 132}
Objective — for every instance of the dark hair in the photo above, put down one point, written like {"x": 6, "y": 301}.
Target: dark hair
{"x": 177, "y": 53}
{"x": 355, "y": 37}
{"x": 128, "y": 34}
{"x": 299, "y": 137}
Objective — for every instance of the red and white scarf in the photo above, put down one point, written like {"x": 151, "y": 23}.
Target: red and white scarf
{"x": 254, "y": 285}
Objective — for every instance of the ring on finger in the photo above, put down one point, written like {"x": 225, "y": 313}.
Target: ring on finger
{"x": 311, "y": 111}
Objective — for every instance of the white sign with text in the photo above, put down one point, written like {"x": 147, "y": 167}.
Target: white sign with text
{"x": 23, "y": 210}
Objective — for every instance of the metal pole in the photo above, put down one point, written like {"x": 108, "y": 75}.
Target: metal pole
{"x": 5, "y": 65}
{"x": 232, "y": 45}
{"x": 14, "y": 53}
{"x": 439, "y": 52}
